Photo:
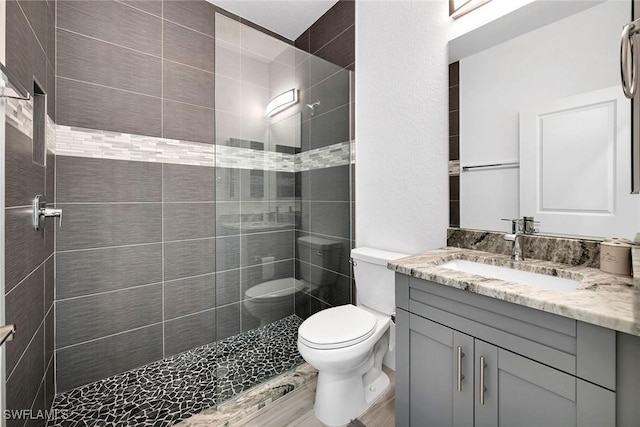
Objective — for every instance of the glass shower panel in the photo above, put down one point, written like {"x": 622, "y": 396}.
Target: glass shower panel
{"x": 283, "y": 214}
{"x": 323, "y": 174}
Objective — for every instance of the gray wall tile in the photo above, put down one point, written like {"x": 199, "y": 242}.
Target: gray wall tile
{"x": 94, "y": 226}
{"x": 24, "y": 56}
{"x": 188, "y": 122}
{"x": 329, "y": 128}
{"x": 186, "y": 84}
{"x": 341, "y": 50}
{"x": 23, "y": 385}
{"x": 86, "y": 59}
{"x": 330, "y": 218}
{"x": 227, "y": 321}
{"x": 335, "y": 293}
{"x": 189, "y": 332}
{"x": 49, "y": 336}
{"x": 84, "y": 363}
{"x": 49, "y": 282}
{"x": 25, "y": 248}
{"x": 81, "y": 179}
{"x": 189, "y": 258}
{"x": 50, "y": 385}
{"x": 96, "y": 316}
{"x": 24, "y": 308}
{"x": 330, "y": 184}
{"x": 188, "y": 296}
{"x": 101, "y": 270}
{"x": 188, "y": 47}
{"x": 227, "y": 253}
{"x": 24, "y": 179}
{"x": 188, "y": 221}
{"x": 113, "y": 22}
{"x": 333, "y": 22}
{"x": 256, "y": 247}
{"x": 188, "y": 183}
{"x": 37, "y": 13}
{"x": 151, "y": 6}
{"x": 96, "y": 107}
{"x": 227, "y": 287}
{"x": 197, "y": 15}
{"x": 332, "y": 92}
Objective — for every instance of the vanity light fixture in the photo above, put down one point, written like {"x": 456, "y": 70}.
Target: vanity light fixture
{"x": 282, "y": 102}
{"x": 457, "y": 8}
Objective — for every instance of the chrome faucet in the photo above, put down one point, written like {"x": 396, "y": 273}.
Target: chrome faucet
{"x": 519, "y": 227}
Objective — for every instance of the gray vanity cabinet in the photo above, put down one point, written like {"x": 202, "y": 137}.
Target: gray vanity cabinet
{"x": 459, "y": 363}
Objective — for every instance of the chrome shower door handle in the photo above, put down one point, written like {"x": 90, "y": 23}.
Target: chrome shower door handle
{"x": 628, "y": 60}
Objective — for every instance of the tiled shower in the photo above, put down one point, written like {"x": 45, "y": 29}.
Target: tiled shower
{"x": 179, "y": 194}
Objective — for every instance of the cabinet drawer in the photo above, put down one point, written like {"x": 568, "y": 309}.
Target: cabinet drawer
{"x": 556, "y": 341}
{"x": 542, "y": 336}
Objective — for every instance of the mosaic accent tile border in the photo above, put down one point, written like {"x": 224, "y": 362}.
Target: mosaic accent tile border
{"x": 325, "y": 157}
{"x": 173, "y": 389}
{"x": 19, "y": 113}
{"x": 246, "y": 158}
{"x": 81, "y": 142}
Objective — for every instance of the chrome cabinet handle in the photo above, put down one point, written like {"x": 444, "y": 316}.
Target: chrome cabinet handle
{"x": 460, "y": 375}
{"x": 483, "y": 389}
{"x": 628, "y": 60}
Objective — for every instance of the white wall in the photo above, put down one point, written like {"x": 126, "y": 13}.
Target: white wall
{"x": 401, "y": 124}
{"x": 571, "y": 56}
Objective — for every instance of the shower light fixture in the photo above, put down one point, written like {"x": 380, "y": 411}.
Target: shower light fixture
{"x": 457, "y": 8}
{"x": 282, "y": 102}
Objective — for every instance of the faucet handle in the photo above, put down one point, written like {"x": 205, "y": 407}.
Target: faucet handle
{"x": 529, "y": 225}
{"x": 516, "y": 224}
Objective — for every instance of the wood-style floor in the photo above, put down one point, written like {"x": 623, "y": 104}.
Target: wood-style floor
{"x": 296, "y": 409}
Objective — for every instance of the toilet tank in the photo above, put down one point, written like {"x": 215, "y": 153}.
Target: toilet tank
{"x": 321, "y": 252}
{"x": 375, "y": 283}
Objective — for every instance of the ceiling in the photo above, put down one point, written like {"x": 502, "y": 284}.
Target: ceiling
{"x": 289, "y": 18}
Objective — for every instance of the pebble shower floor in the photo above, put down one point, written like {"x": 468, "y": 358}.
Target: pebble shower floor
{"x": 170, "y": 390}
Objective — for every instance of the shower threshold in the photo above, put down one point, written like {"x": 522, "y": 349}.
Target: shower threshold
{"x": 165, "y": 392}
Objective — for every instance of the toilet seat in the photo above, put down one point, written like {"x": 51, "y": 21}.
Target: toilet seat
{"x": 337, "y": 327}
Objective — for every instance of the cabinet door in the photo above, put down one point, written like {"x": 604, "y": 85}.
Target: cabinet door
{"x": 436, "y": 397}
{"x": 515, "y": 391}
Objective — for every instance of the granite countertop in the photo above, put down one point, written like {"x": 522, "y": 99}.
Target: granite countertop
{"x": 601, "y": 298}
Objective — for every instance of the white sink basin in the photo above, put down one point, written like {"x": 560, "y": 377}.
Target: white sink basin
{"x": 511, "y": 275}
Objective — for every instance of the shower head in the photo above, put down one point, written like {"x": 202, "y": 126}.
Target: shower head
{"x": 313, "y": 107}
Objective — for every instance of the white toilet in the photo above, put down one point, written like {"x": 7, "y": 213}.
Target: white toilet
{"x": 269, "y": 299}
{"x": 346, "y": 344}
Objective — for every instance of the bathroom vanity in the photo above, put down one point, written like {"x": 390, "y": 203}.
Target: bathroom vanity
{"x": 479, "y": 351}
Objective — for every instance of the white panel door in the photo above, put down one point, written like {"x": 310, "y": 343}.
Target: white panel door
{"x": 575, "y": 166}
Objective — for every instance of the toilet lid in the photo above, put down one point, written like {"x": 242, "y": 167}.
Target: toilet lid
{"x": 337, "y": 327}
{"x": 275, "y": 288}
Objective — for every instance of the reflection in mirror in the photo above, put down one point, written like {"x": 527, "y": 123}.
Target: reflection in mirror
{"x": 552, "y": 65}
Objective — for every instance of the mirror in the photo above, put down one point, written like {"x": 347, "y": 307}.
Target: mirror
{"x": 505, "y": 92}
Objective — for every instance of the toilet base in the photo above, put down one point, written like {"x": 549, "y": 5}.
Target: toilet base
{"x": 341, "y": 399}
